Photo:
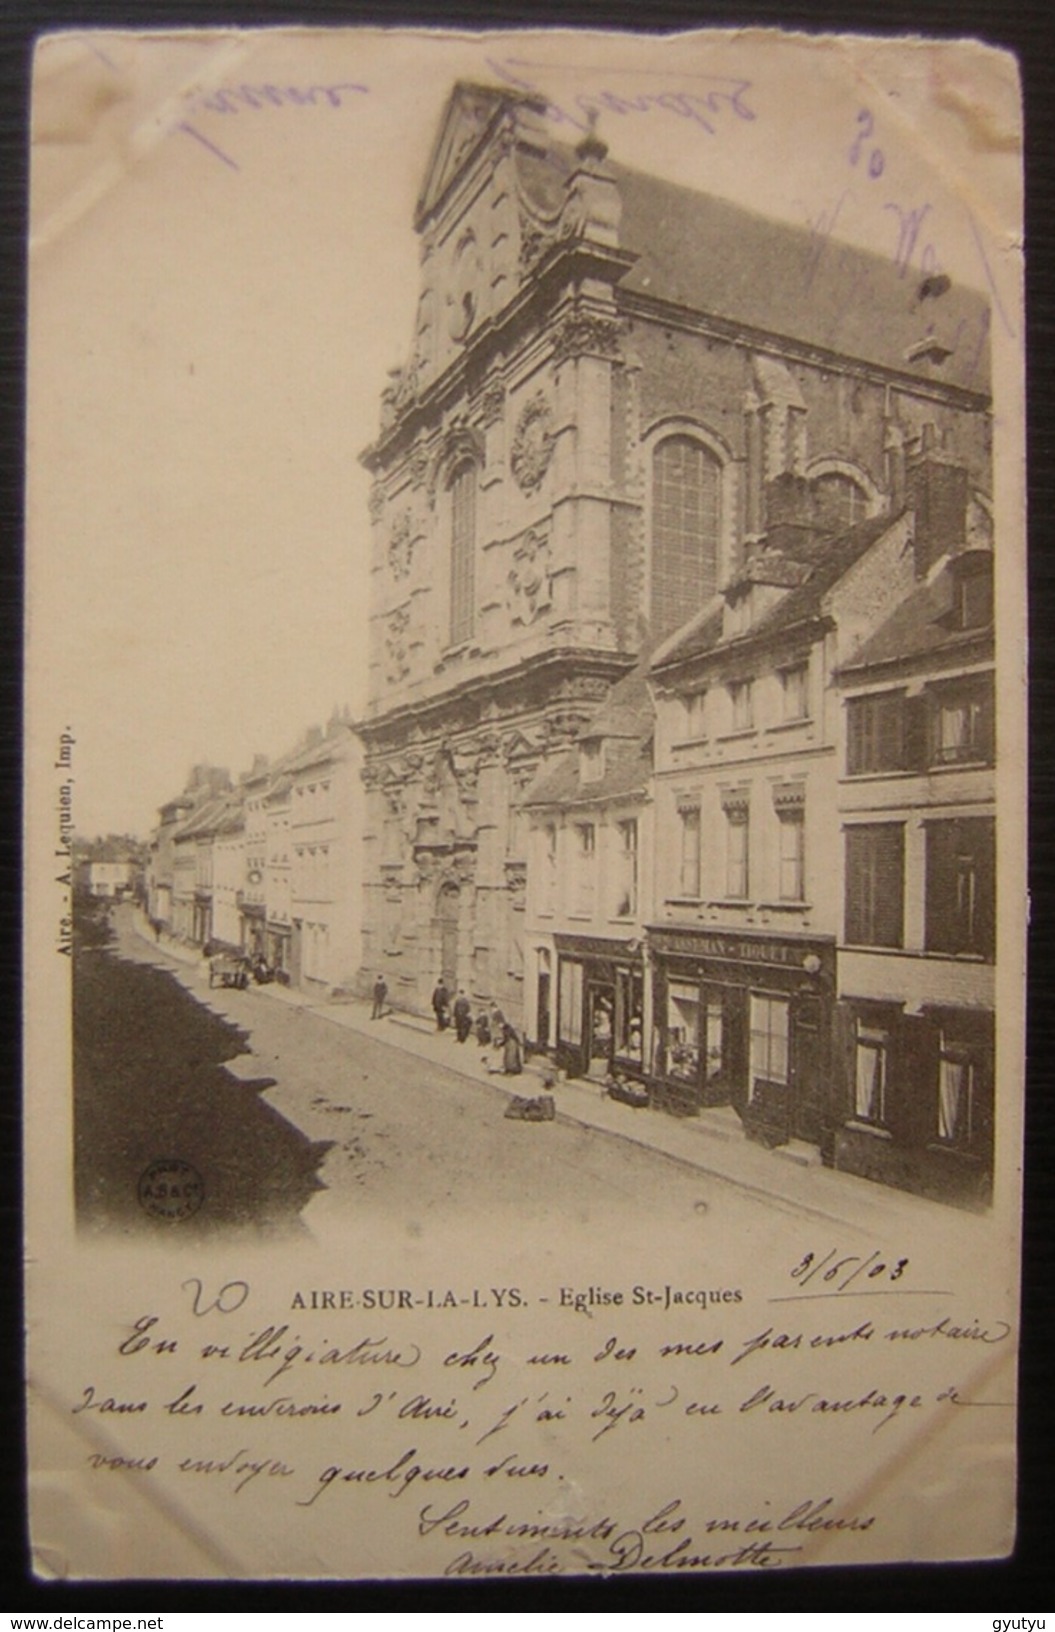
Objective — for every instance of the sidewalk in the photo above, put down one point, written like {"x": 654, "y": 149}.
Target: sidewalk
{"x": 790, "y": 1176}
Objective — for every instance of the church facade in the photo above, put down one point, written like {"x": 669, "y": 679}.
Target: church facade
{"x": 617, "y": 390}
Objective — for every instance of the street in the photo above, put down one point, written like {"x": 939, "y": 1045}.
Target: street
{"x": 322, "y": 1109}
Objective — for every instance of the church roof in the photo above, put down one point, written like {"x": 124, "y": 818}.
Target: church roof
{"x": 711, "y": 255}
{"x": 716, "y": 257}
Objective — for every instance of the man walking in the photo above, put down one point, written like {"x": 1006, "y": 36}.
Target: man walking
{"x": 441, "y": 1000}
{"x": 380, "y": 993}
{"x": 463, "y": 1016}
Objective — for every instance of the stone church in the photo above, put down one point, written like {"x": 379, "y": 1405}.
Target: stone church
{"x": 616, "y": 389}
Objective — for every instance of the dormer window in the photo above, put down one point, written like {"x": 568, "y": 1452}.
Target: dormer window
{"x": 972, "y": 606}
{"x": 591, "y": 760}
{"x": 737, "y": 619}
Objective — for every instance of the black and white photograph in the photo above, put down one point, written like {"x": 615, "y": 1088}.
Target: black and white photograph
{"x": 525, "y": 803}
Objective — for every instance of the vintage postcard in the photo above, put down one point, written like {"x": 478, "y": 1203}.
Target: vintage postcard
{"x": 525, "y": 835}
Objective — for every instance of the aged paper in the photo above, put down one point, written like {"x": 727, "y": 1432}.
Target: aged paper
{"x": 543, "y": 1094}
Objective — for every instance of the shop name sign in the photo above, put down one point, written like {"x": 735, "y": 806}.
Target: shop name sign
{"x": 736, "y": 948}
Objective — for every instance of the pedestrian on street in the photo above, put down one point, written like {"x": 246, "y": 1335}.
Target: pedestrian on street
{"x": 512, "y": 1053}
{"x": 380, "y": 993}
{"x": 441, "y": 1005}
{"x": 463, "y": 1016}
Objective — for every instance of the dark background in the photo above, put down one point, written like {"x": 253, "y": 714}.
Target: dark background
{"x": 1017, "y": 1586}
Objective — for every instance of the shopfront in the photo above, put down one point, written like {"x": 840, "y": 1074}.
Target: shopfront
{"x": 915, "y": 1097}
{"x": 254, "y": 933}
{"x": 600, "y": 1007}
{"x": 744, "y": 1019}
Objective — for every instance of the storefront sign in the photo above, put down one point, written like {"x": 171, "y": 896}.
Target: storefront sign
{"x": 741, "y": 948}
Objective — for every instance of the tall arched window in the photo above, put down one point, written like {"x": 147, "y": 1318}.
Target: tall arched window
{"x": 463, "y": 549}
{"x": 686, "y": 518}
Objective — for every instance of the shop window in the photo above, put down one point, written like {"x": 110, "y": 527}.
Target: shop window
{"x": 961, "y": 887}
{"x": 686, "y": 509}
{"x": 601, "y": 1020}
{"x": 625, "y": 869}
{"x": 463, "y": 550}
{"x": 736, "y": 852}
{"x": 689, "y": 881}
{"x": 683, "y": 1032}
{"x": 768, "y": 1042}
{"x": 794, "y": 692}
{"x": 741, "y": 705}
{"x": 875, "y": 733}
{"x": 792, "y": 855}
{"x": 961, "y": 721}
{"x": 871, "y": 1072}
{"x": 629, "y": 1001}
{"x": 875, "y": 889}
{"x": 714, "y": 1042}
{"x": 963, "y": 1109}
{"x": 957, "y": 1093}
{"x": 570, "y": 1002}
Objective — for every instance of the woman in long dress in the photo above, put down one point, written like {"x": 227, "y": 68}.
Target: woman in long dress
{"x": 512, "y": 1053}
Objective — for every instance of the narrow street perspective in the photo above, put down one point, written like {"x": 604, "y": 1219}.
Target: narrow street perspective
{"x": 286, "y": 1111}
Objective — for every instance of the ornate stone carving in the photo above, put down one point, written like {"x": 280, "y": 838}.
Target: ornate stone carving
{"x": 376, "y": 502}
{"x": 418, "y": 464}
{"x": 532, "y": 447}
{"x": 565, "y": 725}
{"x": 491, "y": 403}
{"x": 398, "y": 661}
{"x": 529, "y": 578}
{"x": 533, "y": 244}
{"x": 586, "y": 333}
{"x": 588, "y": 687}
{"x": 401, "y": 545}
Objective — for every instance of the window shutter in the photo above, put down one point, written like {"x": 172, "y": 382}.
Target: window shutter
{"x": 916, "y": 749}
{"x": 890, "y": 886}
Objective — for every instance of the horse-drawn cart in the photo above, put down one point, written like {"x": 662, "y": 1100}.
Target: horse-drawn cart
{"x": 228, "y": 969}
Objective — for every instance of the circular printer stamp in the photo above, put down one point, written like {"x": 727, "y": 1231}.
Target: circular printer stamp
{"x": 171, "y": 1188}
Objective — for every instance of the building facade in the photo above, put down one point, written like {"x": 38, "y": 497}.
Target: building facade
{"x": 325, "y": 837}
{"x": 588, "y": 897}
{"x": 604, "y": 412}
{"x": 914, "y": 1068}
{"x": 747, "y": 909}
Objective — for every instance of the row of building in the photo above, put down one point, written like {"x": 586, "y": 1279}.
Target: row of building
{"x": 270, "y": 864}
{"x": 679, "y": 736}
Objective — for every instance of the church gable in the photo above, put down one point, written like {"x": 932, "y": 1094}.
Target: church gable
{"x": 472, "y": 113}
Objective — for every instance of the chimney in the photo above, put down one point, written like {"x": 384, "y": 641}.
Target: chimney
{"x": 937, "y": 490}
{"x": 790, "y": 525}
